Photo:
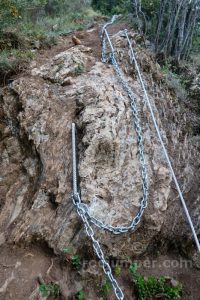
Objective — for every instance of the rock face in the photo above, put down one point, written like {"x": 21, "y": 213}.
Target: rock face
{"x": 35, "y": 184}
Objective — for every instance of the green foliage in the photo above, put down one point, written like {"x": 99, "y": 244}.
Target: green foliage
{"x": 106, "y": 287}
{"x": 50, "y": 289}
{"x": 4, "y": 62}
{"x": 133, "y": 269}
{"x": 117, "y": 270}
{"x": 76, "y": 261}
{"x": 9, "y": 13}
{"x": 112, "y": 6}
{"x": 150, "y": 7}
{"x": 80, "y": 295}
{"x": 196, "y": 42}
{"x": 64, "y": 7}
{"x": 152, "y": 287}
{"x": 166, "y": 68}
{"x": 37, "y": 18}
{"x": 8, "y": 57}
{"x": 14, "y": 11}
{"x": 79, "y": 70}
{"x": 71, "y": 257}
{"x": 68, "y": 250}
{"x": 13, "y": 61}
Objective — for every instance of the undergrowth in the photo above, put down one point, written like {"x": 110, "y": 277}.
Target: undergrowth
{"x": 72, "y": 257}
{"x": 51, "y": 289}
{"x": 80, "y": 295}
{"x": 149, "y": 288}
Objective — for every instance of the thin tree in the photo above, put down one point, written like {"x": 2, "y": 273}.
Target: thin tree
{"x": 176, "y": 24}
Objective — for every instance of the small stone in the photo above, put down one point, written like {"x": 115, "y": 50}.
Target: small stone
{"x": 76, "y": 41}
{"x": 55, "y": 27}
{"x": 67, "y": 81}
{"x": 37, "y": 44}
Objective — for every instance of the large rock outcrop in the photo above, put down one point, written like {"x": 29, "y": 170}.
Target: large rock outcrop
{"x": 35, "y": 184}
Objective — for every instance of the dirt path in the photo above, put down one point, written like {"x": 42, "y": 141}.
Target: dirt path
{"x": 89, "y": 38}
{"x": 19, "y": 270}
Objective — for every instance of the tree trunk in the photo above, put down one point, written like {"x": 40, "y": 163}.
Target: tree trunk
{"x": 175, "y": 28}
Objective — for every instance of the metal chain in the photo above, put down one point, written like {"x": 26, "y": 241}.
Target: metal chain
{"x": 98, "y": 250}
{"x": 136, "y": 121}
{"x": 82, "y": 209}
{"x": 82, "y": 212}
{"x": 103, "y": 39}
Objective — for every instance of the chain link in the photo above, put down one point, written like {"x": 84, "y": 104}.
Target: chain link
{"x": 136, "y": 122}
{"x": 82, "y": 209}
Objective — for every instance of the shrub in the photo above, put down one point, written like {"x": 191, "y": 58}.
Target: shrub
{"x": 64, "y": 7}
{"x": 112, "y": 6}
{"x": 9, "y": 13}
{"x": 76, "y": 261}
{"x": 80, "y": 295}
{"x": 106, "y": 287}
{"x": 13, "y": 11}
{"x": 152, "y": 287}
{"x": 150, "y": 7}
{"x": 50, "y": 289}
